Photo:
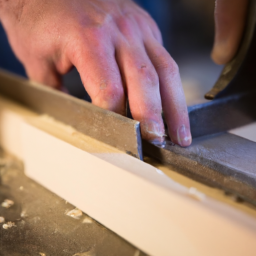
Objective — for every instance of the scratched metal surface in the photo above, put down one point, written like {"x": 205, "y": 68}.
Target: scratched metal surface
{"x": 41, "y": 225}
{"x": 105, "y": 126}
{"x": 220, "y": 160}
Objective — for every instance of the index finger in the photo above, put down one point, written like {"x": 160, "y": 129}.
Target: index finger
{"x": 172, "y": 94}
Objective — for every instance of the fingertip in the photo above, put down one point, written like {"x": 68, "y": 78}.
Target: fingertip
{"x": 221, "y": 54}
{"x": 182, "y": 136}
{"x": 153, "y": 131}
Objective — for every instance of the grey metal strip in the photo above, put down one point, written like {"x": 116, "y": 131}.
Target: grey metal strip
{"x": 222, "y": 160}
{"x": 222, "y": 114}
{"x": 108, "y": 127}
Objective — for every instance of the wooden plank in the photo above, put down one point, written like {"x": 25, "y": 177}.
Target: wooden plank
{"x": 139, "y": 203}
{"x": 11, "y": 117}
{"x": 135, "y": 200}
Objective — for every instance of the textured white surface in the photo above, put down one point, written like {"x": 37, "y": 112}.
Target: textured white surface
{"x": 139, "y": 203}
{"x": 11, "y": 117}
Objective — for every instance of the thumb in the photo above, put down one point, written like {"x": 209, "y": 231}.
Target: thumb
{"x": 230, "y": 17}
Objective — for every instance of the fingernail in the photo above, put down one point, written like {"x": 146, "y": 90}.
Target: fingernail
{"x": 159, "y": 143}
{"x": 152, "y": 132}
{"x": 220, "y": 53}
{"x": 184, "y": 136}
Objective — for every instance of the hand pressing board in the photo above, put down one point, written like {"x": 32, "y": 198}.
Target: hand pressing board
{"x": 136, "y": 200}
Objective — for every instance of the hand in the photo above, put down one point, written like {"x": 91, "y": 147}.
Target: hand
{"x": 230, "y": 17}
{"x": 117, "y": 49}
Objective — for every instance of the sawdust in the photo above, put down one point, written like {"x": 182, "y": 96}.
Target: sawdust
{"x": 87, "y": 220}
{"x": 9, "y": 225}
{"x": 194, "y": 193}
{"x": 75, "y": 213}
{"x": 23, "y": 214}
{"x": 2, "y": 219}
{"x": 42, "y": 254}
{"x": 7, "y": 203}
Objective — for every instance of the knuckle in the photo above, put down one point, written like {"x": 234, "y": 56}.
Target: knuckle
{"x": 110, "y": 96}
{"x": 110, "y": 90}
{"x": 149, "y": 75}
{"x": 124, "y": 25}
{"x": 167, "y": 64}
{"x": 94, "y": 33}
{"x": 103, "y": 20}
{"x": 96, "y": 29}
{"x": 96, "y": 20}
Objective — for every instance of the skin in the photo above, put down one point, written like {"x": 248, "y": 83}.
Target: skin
{"x": 117, "y": 49}
{"x": 230, "y": 16}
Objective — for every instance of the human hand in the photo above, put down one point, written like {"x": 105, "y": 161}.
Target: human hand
{"x": 117, "y": 49}
{"x": 230, "y": 17}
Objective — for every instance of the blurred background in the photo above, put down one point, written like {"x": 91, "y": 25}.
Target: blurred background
{"x": 187, "y": 27}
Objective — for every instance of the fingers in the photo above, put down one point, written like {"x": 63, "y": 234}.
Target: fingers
{"x": 100, "y": 75}
{"x": 173, "y": 99}
{"x": 142, "y": 85}
{"x": 230, "y": 16}
{"x": 44, "y": 73}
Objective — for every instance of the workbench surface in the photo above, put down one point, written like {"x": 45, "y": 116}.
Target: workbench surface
{"x": 41, "y": 226}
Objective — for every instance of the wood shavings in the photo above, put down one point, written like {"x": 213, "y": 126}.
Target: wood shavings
{"x": 36, "y": 219}
{"x": 75, "y": 213}
{"x": 2, "y": 219}
{"x": 7, "y": 203}
{"x": 42, "y": 254}
{"x": 87, "y": 220}
{"x": 194, "y": 193}
{"x": 9, "y": 225}
{"x": 21, "y": 188}
{"x": 23, "y": 214}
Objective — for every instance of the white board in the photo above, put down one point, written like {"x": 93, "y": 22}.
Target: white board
{"x": 139, "y": 202}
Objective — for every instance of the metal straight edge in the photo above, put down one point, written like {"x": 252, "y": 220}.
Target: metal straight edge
{"x": 223, "y": 160}
{"x": 222, "y": 114}
{"x": 108, "y": 127}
